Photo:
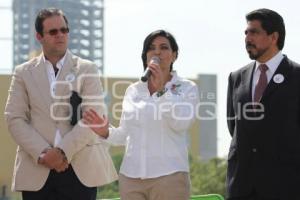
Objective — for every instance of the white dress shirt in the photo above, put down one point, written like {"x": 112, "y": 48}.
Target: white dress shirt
{"x": 52, "y": 79}
{"x": 272, "y": 64}
{"x": 154, "y": 129}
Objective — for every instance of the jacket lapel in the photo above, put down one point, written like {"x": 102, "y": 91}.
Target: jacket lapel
{"x": 65, "y": 79}
{"x": 246, "y": 79}
{"x": 40, "y": 77}
{"x": 283, "y": 69}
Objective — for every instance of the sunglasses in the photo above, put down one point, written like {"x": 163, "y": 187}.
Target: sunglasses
{"x": 54, "y": 32}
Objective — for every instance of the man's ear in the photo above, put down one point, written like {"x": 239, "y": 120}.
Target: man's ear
{"x": 275, "y": 37}
{"x": 38, "y": 36}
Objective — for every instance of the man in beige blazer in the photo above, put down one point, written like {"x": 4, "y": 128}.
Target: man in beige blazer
{"x": 56, "y": 160}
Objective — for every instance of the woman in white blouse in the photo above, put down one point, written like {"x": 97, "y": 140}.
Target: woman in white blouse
{"x": 155, "y": 118}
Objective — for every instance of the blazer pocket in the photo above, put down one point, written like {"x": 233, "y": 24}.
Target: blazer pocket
{"x": 99, "y": 141}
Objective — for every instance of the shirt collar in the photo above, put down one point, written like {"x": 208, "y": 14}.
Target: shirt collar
{"x": 173, "y": 79}
{"x": 59, "y": 64}
{"x": 273, "y": 63}
{"x": 169, "y": 84}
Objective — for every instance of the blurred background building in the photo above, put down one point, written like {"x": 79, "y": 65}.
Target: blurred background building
{"x": 85, "y": 22}
{"x": 208, "y": 116}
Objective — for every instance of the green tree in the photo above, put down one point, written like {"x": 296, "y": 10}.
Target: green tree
{"x": 208, "y": 177}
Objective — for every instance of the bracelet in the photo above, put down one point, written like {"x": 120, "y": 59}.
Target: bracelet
{"x": 162, "y": 92}
{"x": 60, "y": 150}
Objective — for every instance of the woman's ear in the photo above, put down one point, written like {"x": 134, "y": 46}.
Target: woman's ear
{"x": 174, "y": 56}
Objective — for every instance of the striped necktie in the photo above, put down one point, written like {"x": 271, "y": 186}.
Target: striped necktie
{"x": 262, "y": 83}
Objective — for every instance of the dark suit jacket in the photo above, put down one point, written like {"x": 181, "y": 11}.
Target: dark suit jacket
{"x": 264, "y": 153}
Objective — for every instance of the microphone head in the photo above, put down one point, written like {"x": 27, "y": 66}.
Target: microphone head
{"x": 147, "y": 72}
{"x": 155, "y": 60}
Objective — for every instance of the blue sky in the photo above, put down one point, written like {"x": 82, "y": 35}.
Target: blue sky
{"x": 210, "y": 35}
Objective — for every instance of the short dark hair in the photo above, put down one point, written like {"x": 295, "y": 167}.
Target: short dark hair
{"x": 271, "y": 22}
{"x": 44, "y": 14}
{"x": 148, "y": 41}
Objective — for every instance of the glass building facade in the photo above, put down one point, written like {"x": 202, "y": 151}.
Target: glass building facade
{"x": 85, "y": 19}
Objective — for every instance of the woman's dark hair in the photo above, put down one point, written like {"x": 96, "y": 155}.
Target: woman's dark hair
{"x": 44, "y": 14}
{"x": 149, "y": 39}
{"x": 271, "y": 22}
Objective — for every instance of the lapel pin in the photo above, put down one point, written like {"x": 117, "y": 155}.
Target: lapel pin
{"x": 278, "y": 78}
{"x": 70, "y": 77}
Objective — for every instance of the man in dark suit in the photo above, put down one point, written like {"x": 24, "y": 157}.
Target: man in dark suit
{"x": 263, "y": 110}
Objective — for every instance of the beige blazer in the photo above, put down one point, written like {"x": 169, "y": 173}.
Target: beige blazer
{"x": 34, "y": 111}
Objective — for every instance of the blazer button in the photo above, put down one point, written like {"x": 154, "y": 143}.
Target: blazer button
{"x": 254, "y": 150}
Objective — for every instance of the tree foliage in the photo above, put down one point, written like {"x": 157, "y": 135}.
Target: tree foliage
{"x": 208, "y": 177}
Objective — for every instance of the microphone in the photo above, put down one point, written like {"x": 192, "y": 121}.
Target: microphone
{"x": 147, "y": 72}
